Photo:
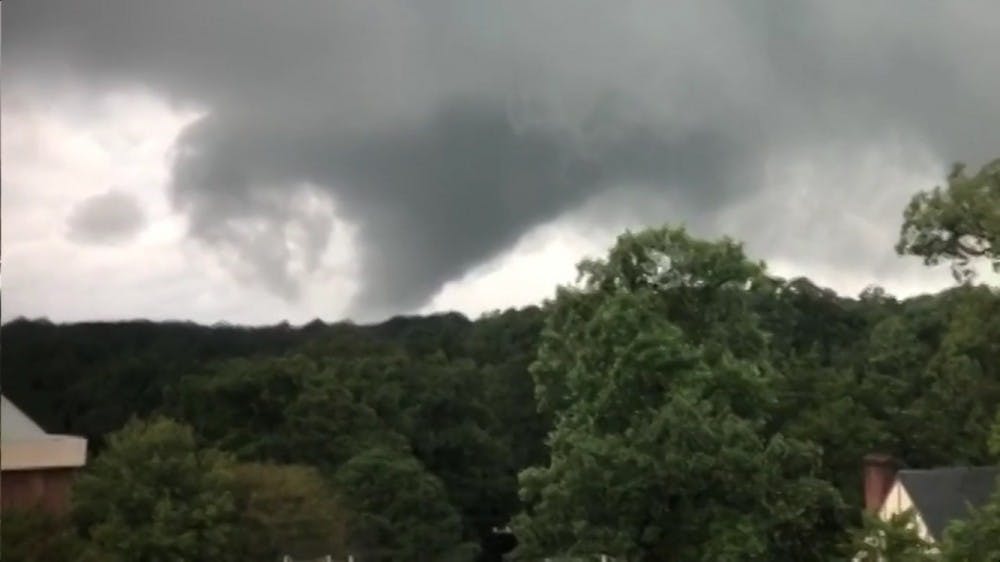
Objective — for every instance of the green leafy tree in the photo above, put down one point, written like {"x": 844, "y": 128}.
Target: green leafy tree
{"x": 959, "y": 223}
{"x": 153, "y": 496}
{"x": 323, "y": 410}
{"x": 656, "y": 374}
{"x": 504, "y": 345}
{"x": 977, "y": 536}
{"x": 399, "y": 511}
{"x": 441, "y": 407}
{"x": 288, "y": 510}
{"x": 279, "y": 409}
{"x": 950, "y": 420}
{"x": 994, "y": 443}
{"x": 824, "y": 406}
{"x": 35, "y": 536}
{"x": 895, "y": 540}
{"x": 453, "y": 441}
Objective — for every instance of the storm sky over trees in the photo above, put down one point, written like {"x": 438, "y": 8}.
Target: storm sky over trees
{"x": 385, "y": 151}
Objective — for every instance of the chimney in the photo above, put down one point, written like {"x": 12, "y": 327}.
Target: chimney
{"x": 879, "y": 476}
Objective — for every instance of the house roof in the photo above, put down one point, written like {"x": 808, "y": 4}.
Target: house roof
{"x": 24, "y": 445}
{"x": 942, "y": 495}
{"x": 15, "y": 425}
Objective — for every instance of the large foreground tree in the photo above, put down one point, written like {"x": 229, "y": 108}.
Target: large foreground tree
{"x": 657, "y": 377}
{"x": 400, "y": 511}
{"x": 288, "y": 510}
{"x": 153, "y": 495}
{"x": 959, "y": 223}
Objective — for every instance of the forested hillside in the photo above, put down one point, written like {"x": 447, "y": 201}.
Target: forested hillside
{"x": 678, "y": 403}
{"x": 448, "y": 399}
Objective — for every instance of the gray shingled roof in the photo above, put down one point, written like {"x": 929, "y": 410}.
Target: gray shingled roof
{"x": 942, "y": 495}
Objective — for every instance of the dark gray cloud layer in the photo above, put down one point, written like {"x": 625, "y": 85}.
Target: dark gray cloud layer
{"x": 445, "y": 129}
{"x": 438, "y": 196}
{"x": 108, "y": 218}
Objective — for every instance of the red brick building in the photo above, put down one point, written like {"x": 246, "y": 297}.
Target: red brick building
{"x": 36, "y": 468}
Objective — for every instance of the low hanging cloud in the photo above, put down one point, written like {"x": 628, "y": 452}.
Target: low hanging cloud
{"x": 446, "y": 130}
{"x": 111, "y": 217}
{"x": 435, "y": 198}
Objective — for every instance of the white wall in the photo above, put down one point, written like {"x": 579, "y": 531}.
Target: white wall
{"x": 898, "y": 501}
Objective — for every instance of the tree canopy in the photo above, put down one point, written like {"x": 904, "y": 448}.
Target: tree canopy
{"x": 958, "y": 223}
{"x": 288, "y": 510}
{"x": 154, "y": 495}
{"x": 662, "y": 395}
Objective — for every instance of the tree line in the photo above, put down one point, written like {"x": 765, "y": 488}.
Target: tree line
{"x": 678, "y": 402}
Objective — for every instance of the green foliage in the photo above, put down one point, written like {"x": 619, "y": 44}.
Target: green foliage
{"x": 35, "y": 536}
{"x": 824, "y": 406}
{"x": 399, "y": 511}
{"x": 994, "y": 443}
{"x": 287, "y": 510}
{"x": 282, "y": 409}
{"x": 89, "y": 379}
{"x": 657, "y": 377}
{"x": 460, "y": 450}
{"x": 959, "y": 223}
{"x": 960, "y": 383}
{"x": 153, "y": 495}
{"x": 895, "y": 540}
{"x": 292, "y": 409}
{"x": 977, "y": 536}
{"x": 503, "y": 344}
{"x": 704, "y": 284}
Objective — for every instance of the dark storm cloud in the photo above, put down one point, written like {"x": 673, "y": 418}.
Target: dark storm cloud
{"x": 438, "y": 196}
{"x": 446, "y": 129}
{"x": 108, "y": 218}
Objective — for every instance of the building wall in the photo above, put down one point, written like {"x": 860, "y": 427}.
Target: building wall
{"x": 898, "y": 501}
{"x": 48, "y": 451}
{"x": 45, "y": 489}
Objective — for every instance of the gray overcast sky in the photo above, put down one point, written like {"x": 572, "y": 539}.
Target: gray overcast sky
{"x": 253, "y": 161}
